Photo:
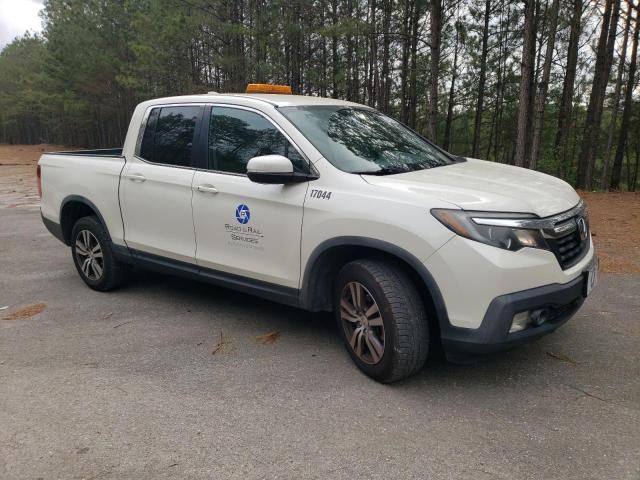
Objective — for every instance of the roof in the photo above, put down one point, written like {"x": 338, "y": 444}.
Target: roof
{"x": 273, "y": 99}
{"x": 295, "y": 100}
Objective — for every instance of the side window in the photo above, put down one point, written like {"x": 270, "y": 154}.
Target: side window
{"x": 168, "y": 136}
{"x": 146, "y": 147}
{"x": 236, "y": 136}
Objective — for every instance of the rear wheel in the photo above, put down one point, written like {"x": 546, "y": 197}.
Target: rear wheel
{"x": 382, "y": 319}
{"x": 93, "y": 255}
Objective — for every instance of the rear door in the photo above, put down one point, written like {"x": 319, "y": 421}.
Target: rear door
{"x": 155, "y": 190}
{"x": 242, "y": 227}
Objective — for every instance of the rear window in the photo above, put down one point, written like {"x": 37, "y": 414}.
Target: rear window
{"x": 168, "y": 135}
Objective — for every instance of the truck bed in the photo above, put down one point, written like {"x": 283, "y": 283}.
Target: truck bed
{"x": 86, "y": 176}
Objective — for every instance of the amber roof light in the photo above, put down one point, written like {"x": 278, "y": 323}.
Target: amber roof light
{"x": 268, "y": 88}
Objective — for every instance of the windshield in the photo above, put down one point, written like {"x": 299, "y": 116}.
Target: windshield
{"x": 359, "y": 140}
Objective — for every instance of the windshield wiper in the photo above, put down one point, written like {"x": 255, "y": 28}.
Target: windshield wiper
{"x": 382, "y": 171}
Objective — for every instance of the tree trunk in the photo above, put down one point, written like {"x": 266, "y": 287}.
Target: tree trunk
{"x": 616, "y": 171}
{"x": 481, "y": 80}
{"x": 404, "y": 69}
{"x": 454, "y": 74}
{"x": 385, "y": 87}
{"x": 324, "y": 82}
{"x": 356, "y": 61}
{"x": 604, "y": 57}
{"x": 349, "y": 41}
{"x": 604, "y": 180}
{"x": 372, "y": 86}
{"x": 633, "y": 181}
{"x": 524, "y": 104}
{"x": 538, "y": 121}
{"x": 494, "y": 134}
{"x": 436, "y": 32}
{"x": 296, "y": 53}
{"x": 566, "y": 103}
{"x": 413, "y": 86}
{"x": 334, "y": 49}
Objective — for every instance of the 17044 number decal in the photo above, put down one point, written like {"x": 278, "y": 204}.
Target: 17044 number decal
{"x": 322, "y": 194}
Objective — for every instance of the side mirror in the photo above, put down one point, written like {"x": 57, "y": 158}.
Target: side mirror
{"x": 273, "y": 169}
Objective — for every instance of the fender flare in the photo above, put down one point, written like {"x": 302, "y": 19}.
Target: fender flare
{"x": 80, "y": 199}
{"x": 388, "y": 248}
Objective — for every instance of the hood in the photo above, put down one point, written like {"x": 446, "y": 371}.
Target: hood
{"x": 488, "y": 186}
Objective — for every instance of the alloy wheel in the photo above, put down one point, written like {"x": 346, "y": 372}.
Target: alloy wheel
{"x": 362, "y": 322}
{"x": 89, "y": 255}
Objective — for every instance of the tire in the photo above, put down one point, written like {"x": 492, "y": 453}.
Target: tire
{"x": 99, "y": 270}
{"x": 401, "y": 327}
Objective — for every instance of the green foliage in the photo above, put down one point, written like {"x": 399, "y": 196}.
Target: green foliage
{"x": 24, "y": 103}
{"x": 96, "y": 59}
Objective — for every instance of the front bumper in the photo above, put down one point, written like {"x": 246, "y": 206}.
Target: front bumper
{"x": 561, "y": 300}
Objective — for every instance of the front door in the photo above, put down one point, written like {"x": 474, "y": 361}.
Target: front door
{"x": 245, "y": 228}
{"x": 155, "y": 189}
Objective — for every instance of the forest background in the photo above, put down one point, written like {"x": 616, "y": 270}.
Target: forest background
{"x": 550, "y": 85}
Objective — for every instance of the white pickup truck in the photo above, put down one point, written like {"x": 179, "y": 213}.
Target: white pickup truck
{"x": 328, "y": 205}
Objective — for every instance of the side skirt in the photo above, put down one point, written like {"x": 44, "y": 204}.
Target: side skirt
{"x": 269, "y": 291}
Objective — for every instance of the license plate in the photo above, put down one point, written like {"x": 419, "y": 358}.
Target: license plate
{"x": 591, "y": 277}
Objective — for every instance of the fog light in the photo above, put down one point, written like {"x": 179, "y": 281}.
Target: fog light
{"x": 520, "y": 322}
{"x": 538, "y": 317}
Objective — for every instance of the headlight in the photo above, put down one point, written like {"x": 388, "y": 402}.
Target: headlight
{"x": 502, "y": 230}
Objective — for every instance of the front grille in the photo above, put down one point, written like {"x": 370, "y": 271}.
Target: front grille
{"x": 569, "y": 248}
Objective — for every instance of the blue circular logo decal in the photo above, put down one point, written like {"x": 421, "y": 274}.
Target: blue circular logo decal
{"x": 242, "y": 214}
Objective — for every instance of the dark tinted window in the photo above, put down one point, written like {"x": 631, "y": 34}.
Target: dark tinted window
{"x": 236, "y": 136}
{"x": 168, "y": 137}
{"x": 361, "y": 140}
{"x": 146, "y": 148}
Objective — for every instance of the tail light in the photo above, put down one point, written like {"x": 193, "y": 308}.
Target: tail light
{"x": 39, "y": 175}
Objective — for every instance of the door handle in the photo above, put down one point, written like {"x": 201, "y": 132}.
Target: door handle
{"x": 206, "y": 189}
{"x": 137, "y": 177}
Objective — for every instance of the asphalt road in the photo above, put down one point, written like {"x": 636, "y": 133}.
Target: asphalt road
{"x": 124, "y": 385}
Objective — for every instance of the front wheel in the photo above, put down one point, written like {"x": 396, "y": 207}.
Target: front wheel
{"x": 382, "y": 319}
{"x": 93, "y": 255}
